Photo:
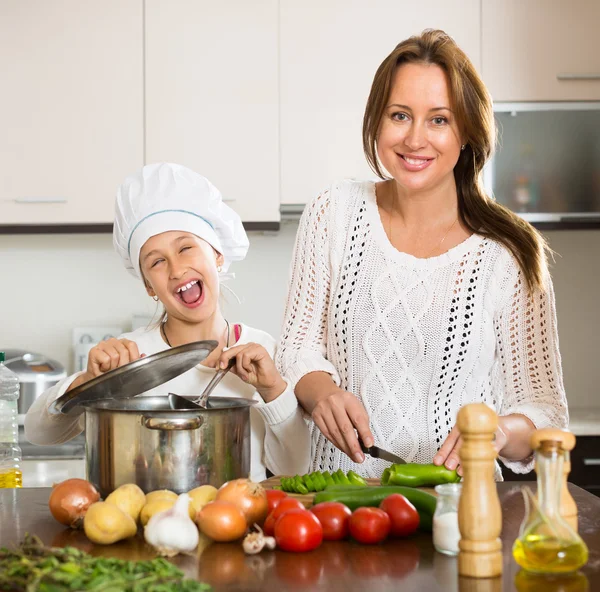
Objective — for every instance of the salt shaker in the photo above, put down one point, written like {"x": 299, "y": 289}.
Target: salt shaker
{"x": 445, "y": 519}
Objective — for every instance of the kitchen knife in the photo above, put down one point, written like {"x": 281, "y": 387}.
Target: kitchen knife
{"x": 377, "y": 452}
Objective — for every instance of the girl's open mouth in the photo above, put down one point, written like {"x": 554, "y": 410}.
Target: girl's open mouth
{"x": 190, "y": 294}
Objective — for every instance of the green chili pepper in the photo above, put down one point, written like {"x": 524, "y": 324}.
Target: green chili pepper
{"x": 300, "y": 487}
{"x": 321, "y": 481}
{"x": 418, "y": 475}
{"x": 356, "y": 479}
{"x": 328, "y": 479}
{"x": 309, "y": 483}
{"x": 343, "y": 479}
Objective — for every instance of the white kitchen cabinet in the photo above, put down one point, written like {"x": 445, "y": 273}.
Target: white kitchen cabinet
{"x": 71, "y": 108}
{"x": 212, "y": 96}
{"x": 541, "y": 50}
{"x": 329, "y": 54}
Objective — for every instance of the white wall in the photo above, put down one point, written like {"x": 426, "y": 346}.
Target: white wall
{"x": 52, "y": 283}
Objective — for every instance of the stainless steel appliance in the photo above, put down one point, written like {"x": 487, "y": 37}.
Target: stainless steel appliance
{"x": 142, "y": 440}
{"x": 547, "y": 162}
{"x": 36, "y": 373}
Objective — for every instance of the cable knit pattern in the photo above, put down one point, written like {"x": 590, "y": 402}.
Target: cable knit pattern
{"x": 414, "y": 339}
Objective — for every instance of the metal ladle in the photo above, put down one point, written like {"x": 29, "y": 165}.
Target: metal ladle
{"x": 177, "y": 402}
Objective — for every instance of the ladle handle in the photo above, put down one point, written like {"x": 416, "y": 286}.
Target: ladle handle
{"x": 210, "y": 387}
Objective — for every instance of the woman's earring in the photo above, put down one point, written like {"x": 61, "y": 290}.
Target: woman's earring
{"x": 463, "y": 146}
{"x": 155, "y": 298}
{"x": 219, "y": 268}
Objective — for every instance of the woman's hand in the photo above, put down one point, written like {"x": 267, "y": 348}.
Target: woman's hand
{"x": 254, "y": 365}
{"x": 448, "y": 454}
{"x": 107, "y": 355}
{"x": 337, "y": 415}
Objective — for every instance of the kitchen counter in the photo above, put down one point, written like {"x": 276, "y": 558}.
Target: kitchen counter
{"x": 46, "y": 472}
{"x": 410, "y": 565}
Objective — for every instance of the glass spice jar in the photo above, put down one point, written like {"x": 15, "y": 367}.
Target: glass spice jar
{"x": 445, "y": 519}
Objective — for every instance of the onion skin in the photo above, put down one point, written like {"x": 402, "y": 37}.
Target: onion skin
{"x": 221, "y": 521}
{"x": 70, "y": 500}
{"x": 249, "y": 497}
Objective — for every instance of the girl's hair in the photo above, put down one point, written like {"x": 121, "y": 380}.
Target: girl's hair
{"x": 472, "y": 105}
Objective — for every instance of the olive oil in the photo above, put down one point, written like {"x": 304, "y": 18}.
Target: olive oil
{"x": 11, "y": 478}
{"x": 539, "y": 554}
{"x": 547, "y": 544}
{"x": 10, "y": 452}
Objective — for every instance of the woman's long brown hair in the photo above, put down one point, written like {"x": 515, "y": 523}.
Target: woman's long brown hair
{"x": 473, "y": 107}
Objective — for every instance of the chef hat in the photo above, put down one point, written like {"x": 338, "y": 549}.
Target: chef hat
{"x": 163, "y": 197}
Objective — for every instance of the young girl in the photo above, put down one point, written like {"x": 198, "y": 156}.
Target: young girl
{"x": 173, "y": 231}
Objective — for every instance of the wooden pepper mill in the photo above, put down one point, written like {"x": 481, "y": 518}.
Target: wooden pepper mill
{"x": 568, "y": 508}
{"x": 479, "y": 513}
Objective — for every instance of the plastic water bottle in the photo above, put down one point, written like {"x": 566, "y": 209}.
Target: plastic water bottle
{"x": 10, "y": 453}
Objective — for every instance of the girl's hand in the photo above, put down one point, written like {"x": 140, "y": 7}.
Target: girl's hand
{"x": 106, "y": 356}
{"x": 254, "y": 365}
{"x": 448, "y": 454}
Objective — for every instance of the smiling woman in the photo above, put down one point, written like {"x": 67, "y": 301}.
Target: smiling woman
{"x": 173, "y": 231}
{"x": 415, "y": 295}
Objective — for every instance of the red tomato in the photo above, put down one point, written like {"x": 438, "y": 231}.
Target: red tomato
{"x": 404, "y": 516}
{"x": 369, "y": 525}
{"x": 334, "y": 518}
{"x": 269, "y": 525}
{"x": 286, "y": 504}
{"x": 274, "y": 496}
{"x": 298, "y": 531}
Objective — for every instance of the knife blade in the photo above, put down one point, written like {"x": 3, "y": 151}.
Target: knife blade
{"x": 377, "y": 452}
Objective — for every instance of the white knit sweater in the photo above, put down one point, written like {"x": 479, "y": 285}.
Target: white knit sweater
{"x": 414, "y": 339}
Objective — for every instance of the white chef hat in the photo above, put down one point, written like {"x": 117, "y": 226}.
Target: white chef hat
{"x": 163, "y": 197}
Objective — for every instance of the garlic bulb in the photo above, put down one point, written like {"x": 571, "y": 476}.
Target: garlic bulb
{"x": 173, "y": 531}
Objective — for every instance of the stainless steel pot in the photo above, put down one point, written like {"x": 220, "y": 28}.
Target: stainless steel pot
{"x": 141, "y": 440}
{"x": 36, "y": 373}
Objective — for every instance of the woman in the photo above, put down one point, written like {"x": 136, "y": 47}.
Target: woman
{"x": 418, "y": 294}
{"x": 173, "y": 231}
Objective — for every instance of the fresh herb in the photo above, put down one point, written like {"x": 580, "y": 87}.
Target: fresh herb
{"x": 33, "y": 567}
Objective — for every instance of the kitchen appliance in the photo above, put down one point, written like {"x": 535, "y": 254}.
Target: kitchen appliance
{"x": 36, "y": 373}
{"x": 142, "y": 440}
{"x": 546, "y": 166}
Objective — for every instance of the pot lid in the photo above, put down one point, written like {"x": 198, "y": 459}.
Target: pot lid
{"x": 136, "y": 377}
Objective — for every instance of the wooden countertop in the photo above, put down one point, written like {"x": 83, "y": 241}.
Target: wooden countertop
{"x": 407, "y": 565}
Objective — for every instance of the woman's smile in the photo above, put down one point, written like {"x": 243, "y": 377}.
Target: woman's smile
{"x": 413, "y": 163}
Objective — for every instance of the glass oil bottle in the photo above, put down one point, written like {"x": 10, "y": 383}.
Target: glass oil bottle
{"x": 546, "y": 543}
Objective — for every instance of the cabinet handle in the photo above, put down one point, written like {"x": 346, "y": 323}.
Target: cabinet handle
{"x": 591, "y": 462}
{"x": 572, "y": 76}
{"x": 40, "y": 200}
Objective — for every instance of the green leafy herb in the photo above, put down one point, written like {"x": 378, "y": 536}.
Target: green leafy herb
{"x": 32, "y": 567}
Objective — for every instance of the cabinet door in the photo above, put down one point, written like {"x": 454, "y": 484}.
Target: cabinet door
{"x": 70, "y": 108}
{"x": 329, "y": 54}
{"x": 541, "y": 50}
{"x": 211, "y": 96}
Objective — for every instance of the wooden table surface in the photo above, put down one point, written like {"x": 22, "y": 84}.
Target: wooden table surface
{"x": 407, "y": 565}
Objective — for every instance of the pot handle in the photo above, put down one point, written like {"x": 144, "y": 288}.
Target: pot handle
{"x": 180, "y": 423}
